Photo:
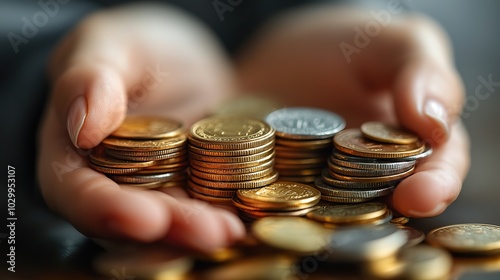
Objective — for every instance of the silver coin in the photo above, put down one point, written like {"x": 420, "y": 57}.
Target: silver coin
{"x": 364, "y": 172}
{"x": 305, "y": 123}
{"x": 373, "y": 165}
{"x": 427, "y": 152}
{"x": 351, "y": 193}
{"x": 325, "y": 176}
{"x": 339, "y": 199}
{"x": 361, "y": 243}
{"x": 164, "y": 177}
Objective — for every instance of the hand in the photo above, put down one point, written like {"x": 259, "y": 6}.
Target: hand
{"x": 404, "y": 75}
{"x": 139, "y": 60}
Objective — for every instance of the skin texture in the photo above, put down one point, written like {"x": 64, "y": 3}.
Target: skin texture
{"x": 102, "y": 65}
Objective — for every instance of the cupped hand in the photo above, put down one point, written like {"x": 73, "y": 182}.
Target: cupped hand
{"x": 334, "y": 58}
{"x": 132, "y": 60}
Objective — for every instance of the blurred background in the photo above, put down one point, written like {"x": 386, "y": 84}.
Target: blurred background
{"x": 47, "y": 243}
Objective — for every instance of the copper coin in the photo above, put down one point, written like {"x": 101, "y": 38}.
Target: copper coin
{"x": 148, "y": 127}
{"x": 387, "y": 133}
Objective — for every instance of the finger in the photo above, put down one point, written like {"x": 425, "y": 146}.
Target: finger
{"x": 90, "y": 83}
{"x": 200, "y": 226}
{"x": 437, "y": 181}
{"x": 428, "y": 93}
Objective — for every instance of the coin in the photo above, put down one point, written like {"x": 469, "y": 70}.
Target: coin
{"x": 224, "y": 171}
{"x": 285, "y": 143}
{"x": 210, "y": 198}
{"x": 99, "y": 157}
{"x": 347, "y": 213}
{"x": 234, "y": 159}
{"x": 223, "y": 133}
{"x": 237, "y": 185}
{"x": 386, "y": 133}
{"x": 144, "y": 145}
{"x": 179, "y": 154}
{"x": 329, "y": 180}
{"x": 400, "y": 220}
{"x": 231, "y": 153}
{"x": 360, "y": 163}
{"x": 351, "y": 193}
{"x": 232, "y": 177}
{"x": 280, "y": 195}
{"x": 424, "y": 262}
{"x": 163, "y": 177}
{"x": 415, "y": 236}
{"x": 347, "y": 171}
{"x": 340, "y": 199}
{"x": 388, "y": 178}
{"x": 111, "y": 170}
{"x": 362, "y": 243}
{"x": 209, "y": 191}
{"x": 305, "y": 123}
{"x": 467, "y": 238}
{"x": 132, "y": 153}
{"x": 351, "y": 141}
{"x": 146, "y": 127}
{"x": 293, "y": 234}
{"x": 255, "y": 215}
{"x": 215, "y": 165}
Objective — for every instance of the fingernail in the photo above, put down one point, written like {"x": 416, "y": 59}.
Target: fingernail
{"x": 437, "y": 113}
{"x": 76, "y": 117}
{"x": 434, "y": 212}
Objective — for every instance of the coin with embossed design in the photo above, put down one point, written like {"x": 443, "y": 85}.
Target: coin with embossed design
{"x": 351, "y": 141}
{"x": 347, "y": 213}
{"x": 305, "y": 123}
{"x": 467, "y": 238}
{"x": 388, "y": 134}
{"x": 280, "y": 195}
{"x": 145, "y": 127}
{"x": 221, "y": 133}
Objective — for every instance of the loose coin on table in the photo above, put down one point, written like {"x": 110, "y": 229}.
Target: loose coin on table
{"x": 467, "y": 238}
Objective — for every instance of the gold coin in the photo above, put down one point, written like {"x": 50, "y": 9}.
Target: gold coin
{"x": 142, "y": 127}
{"x": 161, "y": 171}
{"x": 231, "y": 153}
{"x": 226, "y": 133}
{"x": 376, "y": 179}
{"x": 467, "y": 238}
{"x": 144, "y": 145}
{"x": 304, "y": 144}
{"x": 424, "y": 262}
{"x": 237, "y": 185}
{"x": 232, "y": 177}
{"x": 293, "y": 234}
{"x": 164, "y": 177}
{"x": 280, "y": 195}
{"x": 216, "y": 165}
{"x": 388, "y": 134}
{"x": 211, "y": 192}
{"x": 209, "y": 198}
{"x": 175, "y": 165}
{"x": 113, "y": 152}
{"x": 261, "y": 214}
{"x": 400, "y": 220}
{"x": 347, "y": 213}
{"x": 99, "y": 157}
{"x": 221, "y": 171}
{"x": 111, "y": 170}
{"x": 235, "y": 159}
{"x": 168, "y": 161}
{"x": 154, "y": 158}
{"x": 351, "y": 141}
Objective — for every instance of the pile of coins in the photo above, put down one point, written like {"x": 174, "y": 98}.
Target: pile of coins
{"x": 277, "y": 199}
{"x": 303, "y": 141}
{"x": 227, "y": 154}
{"x": 144, "y": 152}
{"x": 369, "y": 163}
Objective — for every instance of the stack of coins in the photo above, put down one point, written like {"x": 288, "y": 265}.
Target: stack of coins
{"x": 144, "y": 152}
{"x": 227, "y": 154}
{"x": 277, "y": 199}
{"x": 369, "y": 163}
{"x": 338, "y": 215}
{"x": 303, "y": 141}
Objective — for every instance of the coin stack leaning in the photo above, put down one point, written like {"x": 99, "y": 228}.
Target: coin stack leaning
{"x": 369, "y": 162}
{"x": 144, "y": 152}
{"x": 277, "y": 199}
{"x": 227, "y": 154}
{"x": 303, "y": 141}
